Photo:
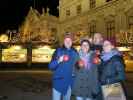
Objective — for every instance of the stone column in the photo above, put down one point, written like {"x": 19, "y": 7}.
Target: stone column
{"x": 0, "y": 53}
{"x": 29, "y": 53}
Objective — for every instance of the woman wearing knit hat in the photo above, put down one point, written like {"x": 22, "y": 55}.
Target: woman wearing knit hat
{"x": 112, "y": 73}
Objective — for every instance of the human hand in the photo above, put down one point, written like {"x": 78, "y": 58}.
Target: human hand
{"x": 60, "y": 59}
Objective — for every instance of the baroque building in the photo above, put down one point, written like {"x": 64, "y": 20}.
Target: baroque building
{"x": 89, "y": 16}
{"x": 39, "y": 27}
{"x": 82, "y": 18}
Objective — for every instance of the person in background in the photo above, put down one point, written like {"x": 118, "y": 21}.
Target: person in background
{"x": 62, "y": 63}
{"x": 97, "y": 42}
{"x": 113, "y": 72}
{"x": 86, "y": 80}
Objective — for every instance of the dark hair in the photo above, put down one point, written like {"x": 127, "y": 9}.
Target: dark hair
{"x": 87, "y": 41}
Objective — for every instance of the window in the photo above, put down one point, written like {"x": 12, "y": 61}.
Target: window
{"x": 108, "y": 0}
{"x": 130, "y": 22}
{"x": 92, "y": 28}
{"x": 92, "y": 3}
{"x": 67, "y": 12}
{"x": 79, "y": 9}
{"x": 110, "y": 28}
{"x": 53, "y": 30}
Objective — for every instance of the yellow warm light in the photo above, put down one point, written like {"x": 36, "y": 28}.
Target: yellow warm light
{"x": 123, "y": 48}
{"x": 44, "y": 47}
{"x": 3, "y": 38}
{"x": 77, "y": 48}
{"x": 14, "y": 54}
{"x": 15, "y": 47}
{"x": 42, "y": 54}
{"x": 22, "y": 55}
{"x": 44, "y": 50}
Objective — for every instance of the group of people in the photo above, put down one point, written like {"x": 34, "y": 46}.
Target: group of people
{"x": 95, "y": 72}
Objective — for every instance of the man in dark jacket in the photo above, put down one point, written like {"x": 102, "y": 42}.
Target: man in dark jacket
{"x": 86, "y": 81}
{"x": 62, "y": 64}
{"x": 97, "y": 43}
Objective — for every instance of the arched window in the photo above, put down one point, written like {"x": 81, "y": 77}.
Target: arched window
{"x": 130, "y": 22}
{"x": 110, "y": 26}
{"x": 92, "y": 28}
{"x": 92, "y": 3}
{"x": 79, "y": 9}
{"x": 108, "y": 0}
{"x": 67, "y": 12}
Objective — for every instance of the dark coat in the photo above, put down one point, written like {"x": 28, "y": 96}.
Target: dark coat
{"x": 86, "y": 81}
{"x": 112, "y": 70}
{"x": 100, "y": 48}
{"x": 63, "y": 72}
{"x": 97, "y": 47}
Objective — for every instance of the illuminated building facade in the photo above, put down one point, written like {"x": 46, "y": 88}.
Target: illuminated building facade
{"x": 82, "y": 17}
{"x": 89, "y": 16}
{"x": 39, "y": 27}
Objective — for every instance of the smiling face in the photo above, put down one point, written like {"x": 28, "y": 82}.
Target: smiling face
{"x": 107, "y": 46}
{"x": 68, "y": 42}
{"x": 85, "y": 47}
{"x": 98, "y": 39}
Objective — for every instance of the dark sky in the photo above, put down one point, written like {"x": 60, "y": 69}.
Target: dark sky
{"x": 13, "y": 12}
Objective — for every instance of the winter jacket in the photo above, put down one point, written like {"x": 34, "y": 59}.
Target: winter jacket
{"x": 86, "y": 79}
{"x": 97, "y": 47}
{"x": 63, "y": 72}
{"x": 113, "y": 68}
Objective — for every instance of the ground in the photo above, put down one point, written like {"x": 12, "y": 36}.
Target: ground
{"x": 36, "y": 84}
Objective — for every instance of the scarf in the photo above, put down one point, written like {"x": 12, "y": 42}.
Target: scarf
{"x": 86, "y": 58}
{"x": 108, "y": 55}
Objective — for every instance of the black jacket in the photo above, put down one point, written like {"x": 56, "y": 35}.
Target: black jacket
{"x": 112, "y": 71}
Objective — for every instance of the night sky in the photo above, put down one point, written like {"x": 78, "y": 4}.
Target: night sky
{"x": 13, "y": 12}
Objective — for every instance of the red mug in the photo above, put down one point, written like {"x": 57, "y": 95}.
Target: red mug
{"x": 96, "y": 60}
{"x": 97, "y": 52}
{"x": 81, "y": 63}
{"x": 65, "y": 58}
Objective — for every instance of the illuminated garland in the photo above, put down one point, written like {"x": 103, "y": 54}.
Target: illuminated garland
{"x": 125, "y": 37}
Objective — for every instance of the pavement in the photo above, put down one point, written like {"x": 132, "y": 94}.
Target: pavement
{"x": 36, "y": 85}
{"x": 24, "y": 85}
